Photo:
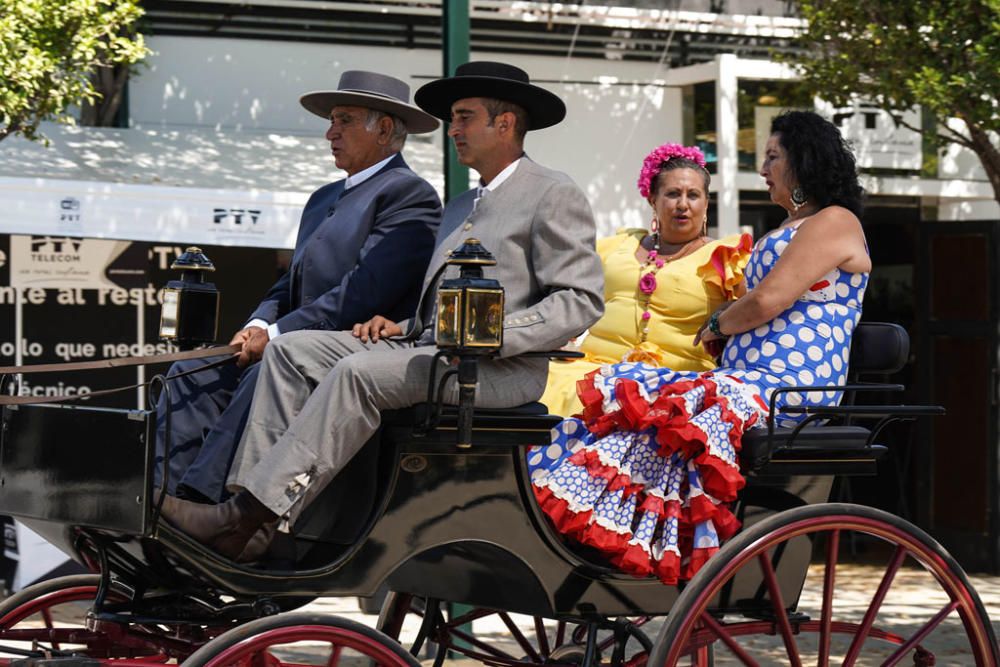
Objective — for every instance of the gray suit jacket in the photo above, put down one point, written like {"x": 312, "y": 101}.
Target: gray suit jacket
{"x": 539, "y": 226}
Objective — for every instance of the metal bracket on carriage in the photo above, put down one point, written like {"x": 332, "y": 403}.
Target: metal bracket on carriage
{"x": 226, "y": 351}
{"x": 886, "y": 414}
{"x": 467, "y": 371}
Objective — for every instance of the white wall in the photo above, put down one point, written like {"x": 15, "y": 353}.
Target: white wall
{"x": 615, "y": 116}
{"x": 969, "y": 210}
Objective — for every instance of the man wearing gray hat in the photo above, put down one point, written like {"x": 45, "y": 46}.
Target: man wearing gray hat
{"x": 362, "y": 247}
{"x": 320, "y": 394}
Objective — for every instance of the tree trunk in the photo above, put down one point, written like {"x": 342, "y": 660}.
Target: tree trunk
{"x": 989, "y": 156}
{"x": 109, "y": 82}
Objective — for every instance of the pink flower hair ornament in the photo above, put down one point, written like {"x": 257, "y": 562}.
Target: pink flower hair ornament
{"x": 653, "y": 162}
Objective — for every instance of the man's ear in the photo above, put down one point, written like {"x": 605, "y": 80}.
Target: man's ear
{"x": 385, "y": 127}
{"x": 505, "y": 121}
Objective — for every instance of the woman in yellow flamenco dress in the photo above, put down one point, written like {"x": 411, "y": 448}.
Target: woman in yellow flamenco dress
{"x": 661, "y": 284}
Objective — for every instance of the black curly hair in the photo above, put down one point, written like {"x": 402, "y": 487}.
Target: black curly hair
{"x": 820, "y": 159}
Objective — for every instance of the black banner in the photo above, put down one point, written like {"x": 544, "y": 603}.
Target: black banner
{"x": 83, "y": 299}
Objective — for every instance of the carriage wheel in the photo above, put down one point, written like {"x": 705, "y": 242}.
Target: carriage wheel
{"x": 50, "y": 616}
{"x": 829, "y": 627}
{"x": 547, "y": 642}
{"x": 300, "y": 639}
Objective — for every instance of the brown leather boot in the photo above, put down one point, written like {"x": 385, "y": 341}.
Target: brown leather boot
{"x": 226, "y": 528}
{"x": 258, "y": 545}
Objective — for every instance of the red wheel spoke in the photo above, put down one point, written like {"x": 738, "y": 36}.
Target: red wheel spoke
{"x": 519, "y": 637}
{"x": 465, "y": 619}
{"x": 335, "y": 651}
{"x": 49, "y": 625}
{"x": 826, "y": 616}
{"x": 780, "y": 615}
{"x": 472, "y": 641}
{"x": 921, "y": 634}
{"x": 727, "y": 639}
{"x": 543, "y": 638}
{"x": 560, "y": 633}
{"x": 876, "y": 604}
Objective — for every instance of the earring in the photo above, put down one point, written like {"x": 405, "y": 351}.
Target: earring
{"x": 654, "y": 226}
{"x": 704, "y": 226}
{"x": 799, "y": 198}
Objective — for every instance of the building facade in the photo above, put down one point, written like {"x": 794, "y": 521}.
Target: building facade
{"x": 217, "y": 151}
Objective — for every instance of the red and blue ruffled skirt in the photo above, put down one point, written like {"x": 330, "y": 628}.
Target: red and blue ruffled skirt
{"x": 646, "y": 475}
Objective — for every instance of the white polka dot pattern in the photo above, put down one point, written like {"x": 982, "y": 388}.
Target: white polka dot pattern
{"x": 631, "y": 493}
{"x": 809, "y": 343}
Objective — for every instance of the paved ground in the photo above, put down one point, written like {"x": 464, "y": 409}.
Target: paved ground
{"x": 914, "y": 599}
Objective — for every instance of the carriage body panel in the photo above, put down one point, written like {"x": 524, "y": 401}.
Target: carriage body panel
{"x": 419, "y": 513}
{"x": 444, "y": 523}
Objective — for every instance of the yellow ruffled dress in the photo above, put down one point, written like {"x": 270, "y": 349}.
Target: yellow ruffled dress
{"x": 688, "y": 290}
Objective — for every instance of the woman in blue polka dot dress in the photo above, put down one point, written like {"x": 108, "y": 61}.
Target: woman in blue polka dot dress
{"x": 646, "y": 473}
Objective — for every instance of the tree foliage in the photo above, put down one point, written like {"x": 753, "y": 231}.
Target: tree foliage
{"x": 943, "y": 55}
{"x": 51, "y": 53}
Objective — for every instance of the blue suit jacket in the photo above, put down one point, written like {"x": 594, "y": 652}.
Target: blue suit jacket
{"x": 359, "y": 253}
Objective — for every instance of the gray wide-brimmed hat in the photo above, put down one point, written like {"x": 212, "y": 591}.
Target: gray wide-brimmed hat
{"x": 371, "y": 90}
{"x": 490, "y": 79}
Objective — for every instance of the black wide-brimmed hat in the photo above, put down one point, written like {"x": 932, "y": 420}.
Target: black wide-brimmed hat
{"x": 371, "y": 90}
{"x": 489, "y": 79}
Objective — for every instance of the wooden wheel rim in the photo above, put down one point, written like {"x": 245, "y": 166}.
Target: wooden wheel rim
{"x": 338, "y": 638}
{"x": 979, "y": 640}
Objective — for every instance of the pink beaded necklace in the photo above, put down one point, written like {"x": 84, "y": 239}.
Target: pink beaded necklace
{"x": 647, "y": 279}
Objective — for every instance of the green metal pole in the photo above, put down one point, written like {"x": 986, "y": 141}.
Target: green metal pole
{"x": 455, "y": 51}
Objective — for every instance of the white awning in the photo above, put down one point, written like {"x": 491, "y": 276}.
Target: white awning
{"x": 190, "y": 186}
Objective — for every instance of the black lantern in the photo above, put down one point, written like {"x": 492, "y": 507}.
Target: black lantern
{"x": 469, "y": 324}
{"x": 470, "y": 307}
{"x": 190, "y": 313}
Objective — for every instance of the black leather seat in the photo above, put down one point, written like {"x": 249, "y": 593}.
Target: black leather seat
{"x": 841, "y": 447}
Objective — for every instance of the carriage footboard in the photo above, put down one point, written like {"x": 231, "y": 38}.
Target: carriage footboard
{"x": 76, "y": 465}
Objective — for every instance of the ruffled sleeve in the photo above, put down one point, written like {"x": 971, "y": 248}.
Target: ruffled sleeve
{"x": 724, "y": 267}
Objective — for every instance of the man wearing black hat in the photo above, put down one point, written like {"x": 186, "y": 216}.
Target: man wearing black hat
{"x": 362, "y": 249}
{"x": 320, "y": 395}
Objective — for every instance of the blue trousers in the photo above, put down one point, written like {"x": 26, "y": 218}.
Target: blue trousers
{"x": 208, "y": 411}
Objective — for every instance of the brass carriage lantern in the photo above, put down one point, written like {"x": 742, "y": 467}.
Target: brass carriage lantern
{"x": 470, "y": 307}
{"x": 469, "y": 324}
{"x": 190, "y": 312}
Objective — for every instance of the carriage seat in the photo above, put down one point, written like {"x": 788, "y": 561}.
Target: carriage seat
{"x": 838, "y": 445}
{"x": 528, "y": 424}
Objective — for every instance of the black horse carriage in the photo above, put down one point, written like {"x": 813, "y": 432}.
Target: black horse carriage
{"x": 440, "y": 522}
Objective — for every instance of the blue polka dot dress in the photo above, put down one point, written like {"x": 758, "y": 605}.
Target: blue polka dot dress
{"x": 646, "y": 473}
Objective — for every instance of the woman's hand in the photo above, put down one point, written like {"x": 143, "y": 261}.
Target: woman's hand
{"x": 375, "y": 328}
{"x": 705, "y": 334}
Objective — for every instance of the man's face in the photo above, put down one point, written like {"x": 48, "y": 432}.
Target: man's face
{"x": 471, "y": 131}
{"x": 354, "y": 147}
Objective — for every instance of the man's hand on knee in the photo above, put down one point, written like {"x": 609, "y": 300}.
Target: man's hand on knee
{"x": 240, "y": 337}
{"x": 375, "y": 328}
{"x": 253, "y": 347}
